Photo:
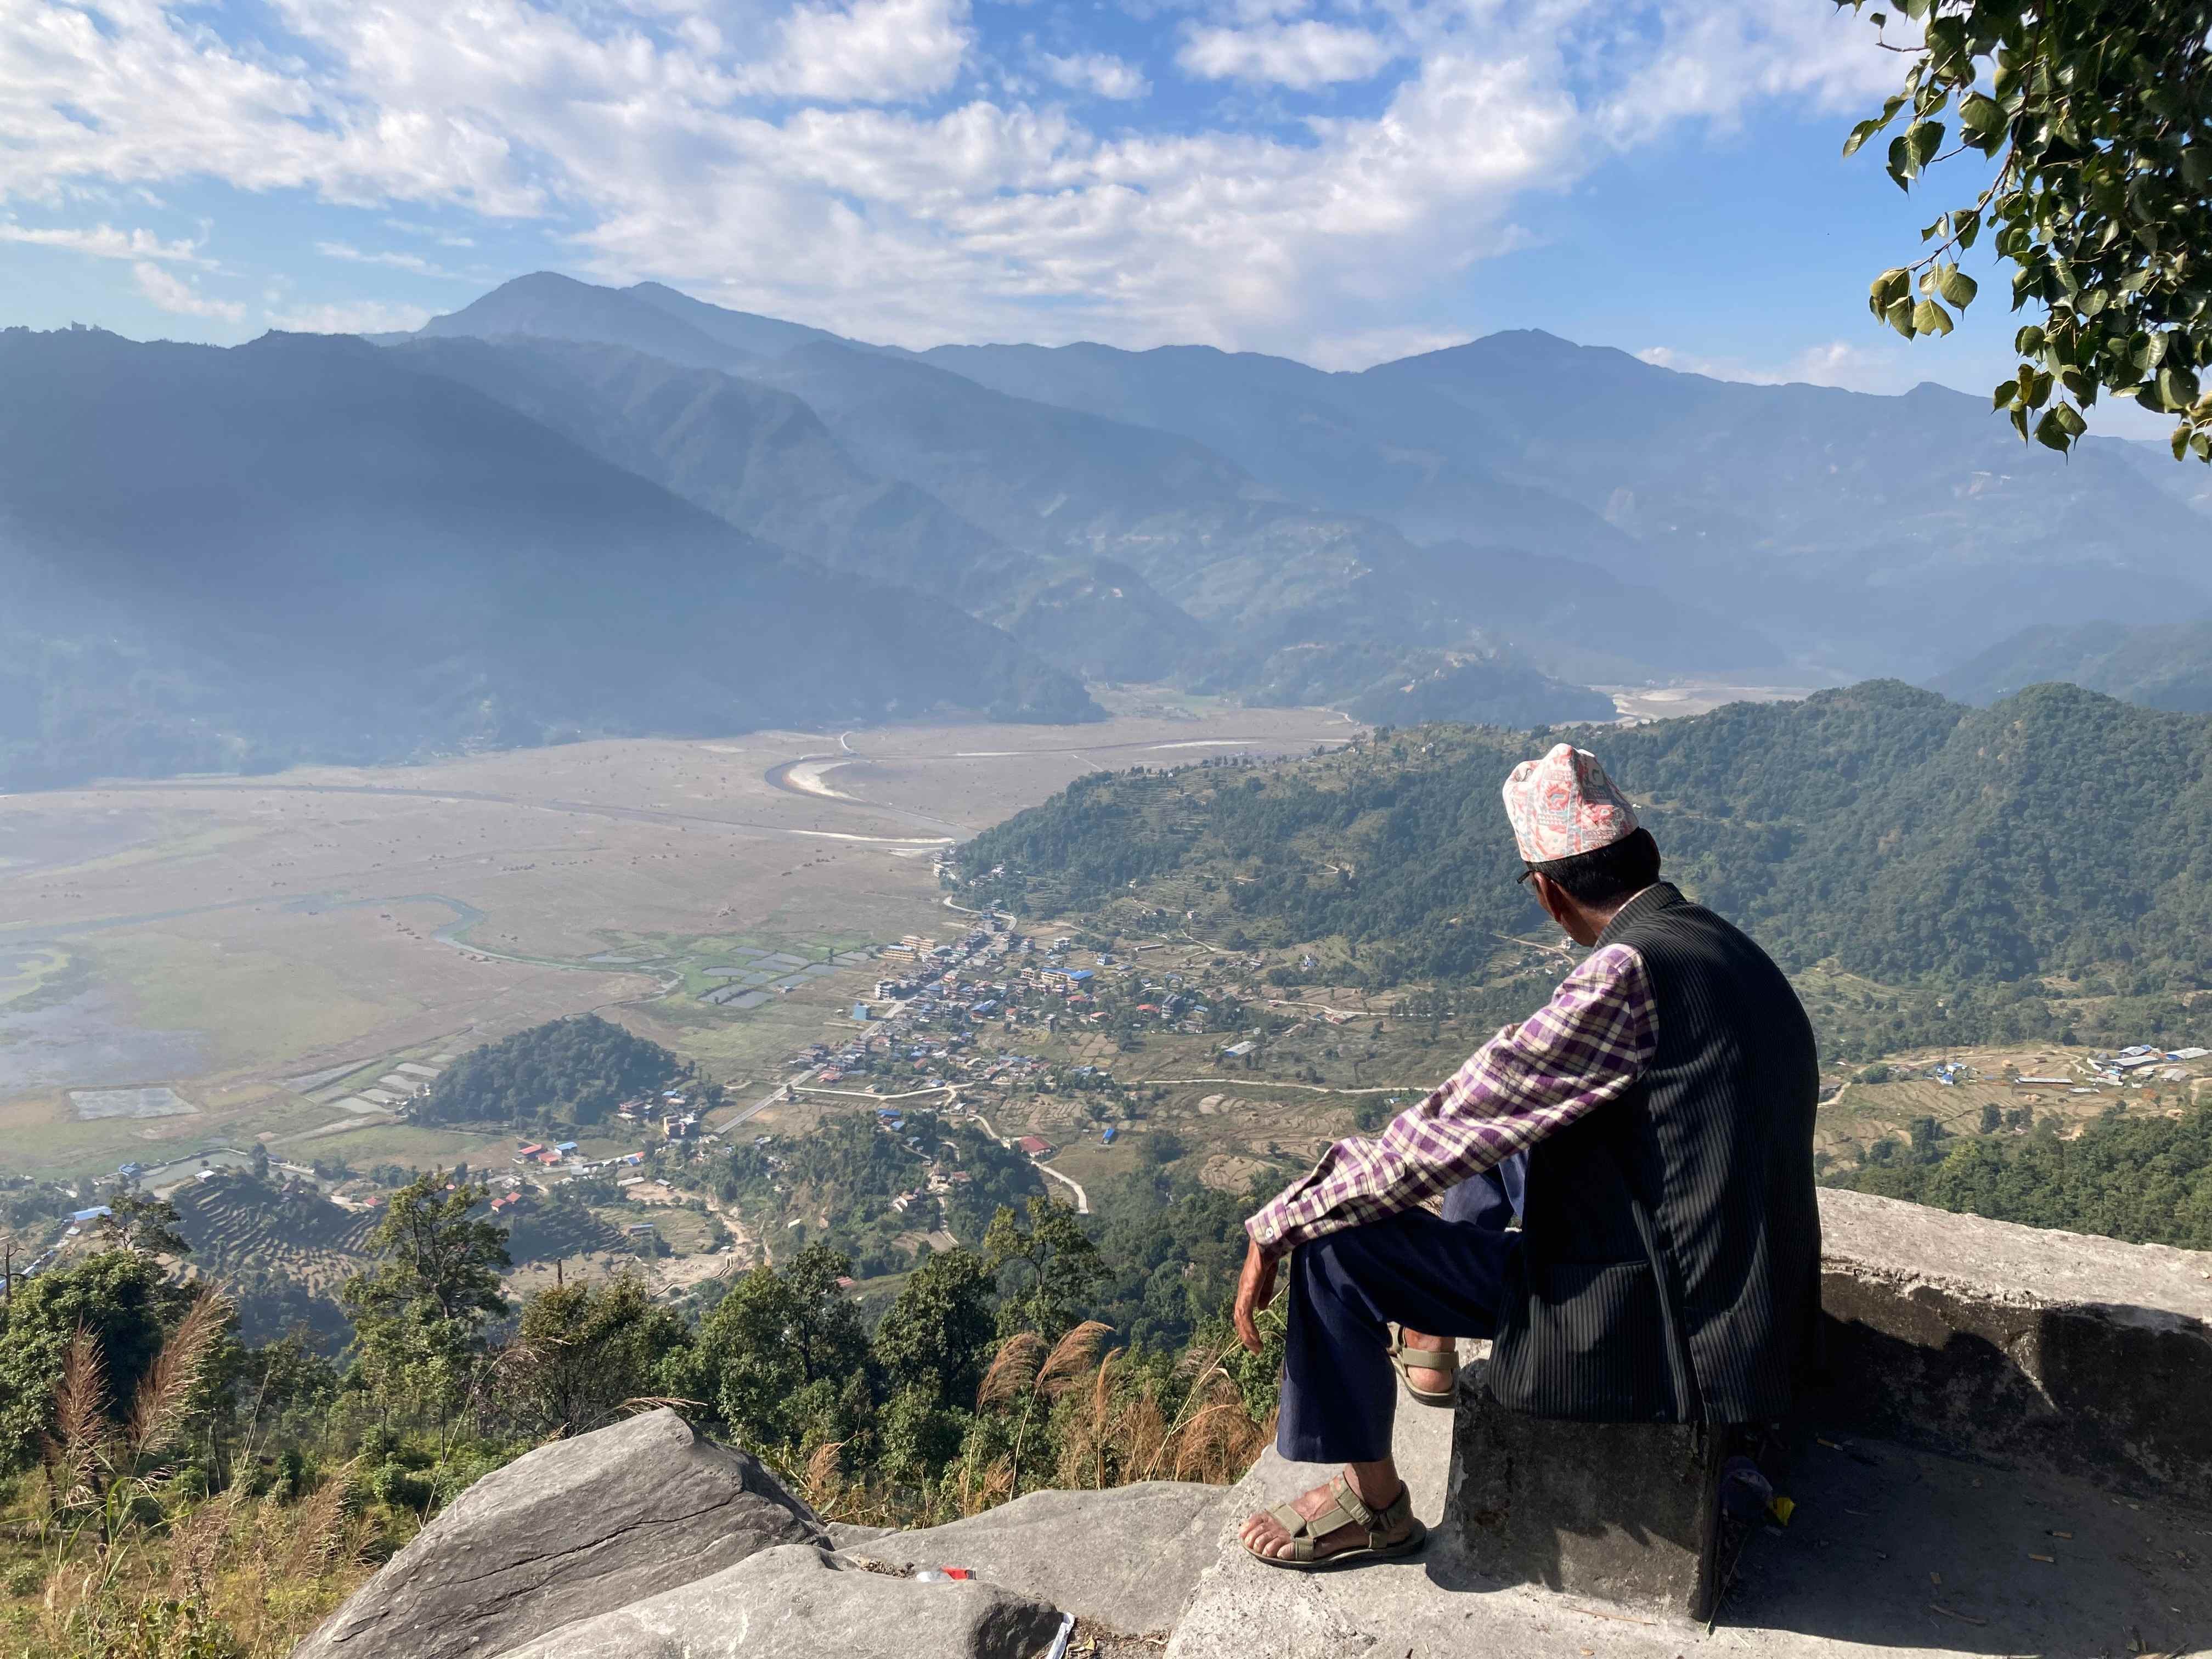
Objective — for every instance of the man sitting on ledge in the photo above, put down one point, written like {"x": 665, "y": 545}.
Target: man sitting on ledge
{"x": 1652, "y": 1125}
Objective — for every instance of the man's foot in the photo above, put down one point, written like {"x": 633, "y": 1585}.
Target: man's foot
{"x": 1430, "y": 1365}
{"x": 1364, "y": 1527}
{"x": 1428, "y": 1379}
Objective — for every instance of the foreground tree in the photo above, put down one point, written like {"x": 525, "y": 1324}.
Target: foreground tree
{"x": 1045, "y": 1267}
{"x": 780, "y": 1354}
{"x": 118, "y": 1301}
{"x": 582, "y": 1354}
{"x": 419, "y": 1315}
{"x": 2098, "y": 117}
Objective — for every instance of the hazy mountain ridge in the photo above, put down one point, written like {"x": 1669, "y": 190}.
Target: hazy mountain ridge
{"x": 762, "y": 459}
{"x": 300, "y": 548}
{"x": 1857, "y": 528}
{"x": 2158, "y": 664}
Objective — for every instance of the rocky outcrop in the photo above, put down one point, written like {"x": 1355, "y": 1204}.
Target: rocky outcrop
{"x": 571, "y": 1530}
{"x": 1126, "y": 1559}
{"x": 798, "y": 1602}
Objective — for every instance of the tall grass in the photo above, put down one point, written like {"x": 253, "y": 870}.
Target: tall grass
{"x": 114, "y": 1558}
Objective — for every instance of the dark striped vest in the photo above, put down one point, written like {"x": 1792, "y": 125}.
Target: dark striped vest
{"x": 1670, "y": 1267}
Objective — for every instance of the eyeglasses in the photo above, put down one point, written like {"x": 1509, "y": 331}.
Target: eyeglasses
{"x": 1519, "y": 879}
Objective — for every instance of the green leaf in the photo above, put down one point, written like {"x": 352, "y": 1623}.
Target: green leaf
{"x": 2019, "y": 422}
{"x": 1928, "y": 318}
{"x": 2039, "y": 390}
{"x": 1980, "y": 114}
{"x": 2081, "y": 386}
{"x": 2002, "y": 396}
{"x": 1860, "y": 134}
{"x": 2202, "y": 443}
{"x": 1900, "y": 166}
{"x": 1969, "y": 227}
{"x": 2177, "y": 386}
{"x": 1954, "y": 285}
{"x": 2028, "y": 342}
{"x": 2181, "y": 441}
{"x": 1899, "y": 315}
{"x": 1922, "y": 140}
{"x": 2197, "y": 167}
{"x": 2052, "y": 432}
{"x": 2070, "y": 418}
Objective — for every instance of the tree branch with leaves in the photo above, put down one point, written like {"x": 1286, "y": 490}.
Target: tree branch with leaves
{"x": 2098, "y": 114}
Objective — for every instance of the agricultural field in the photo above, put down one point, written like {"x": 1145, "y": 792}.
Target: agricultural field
{"x": 227, "y": 939}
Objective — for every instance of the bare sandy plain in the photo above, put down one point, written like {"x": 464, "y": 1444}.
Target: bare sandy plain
{"x": 267, "y": 948}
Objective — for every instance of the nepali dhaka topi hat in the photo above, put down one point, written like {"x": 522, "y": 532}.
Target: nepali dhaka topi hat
{"x": 1564, "y": 805}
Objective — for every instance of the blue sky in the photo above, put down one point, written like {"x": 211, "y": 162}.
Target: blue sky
{"x": 1338, "y": 180}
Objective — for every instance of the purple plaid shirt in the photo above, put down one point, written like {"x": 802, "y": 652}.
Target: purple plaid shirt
{"x": 1585, "y": 1046}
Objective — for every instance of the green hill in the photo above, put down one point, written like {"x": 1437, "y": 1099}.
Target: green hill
{"x": 571, "y": 1071}
{"x": 1982, "y": 861}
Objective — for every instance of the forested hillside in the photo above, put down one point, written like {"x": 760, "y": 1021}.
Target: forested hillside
{"x": 567, "y": 1071}
{"x": 2056, "y": 843}
{"x": 2147, "y": 1179}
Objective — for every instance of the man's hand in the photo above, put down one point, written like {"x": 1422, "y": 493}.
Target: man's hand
{"x": 1255, "y": 1289}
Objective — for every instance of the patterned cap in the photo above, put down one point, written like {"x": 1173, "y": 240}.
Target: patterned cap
{"x": 1564, "y": 805}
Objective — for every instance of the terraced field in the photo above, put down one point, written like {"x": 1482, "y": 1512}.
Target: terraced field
{"x": 234, "y": 1222}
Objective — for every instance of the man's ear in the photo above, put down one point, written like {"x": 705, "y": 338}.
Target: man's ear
{"x": 1549, "y": 895}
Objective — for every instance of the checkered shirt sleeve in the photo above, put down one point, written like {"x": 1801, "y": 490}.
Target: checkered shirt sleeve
{"x": 1584, "y": 1048}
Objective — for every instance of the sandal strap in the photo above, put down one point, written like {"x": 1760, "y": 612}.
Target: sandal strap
{"x": 1425, "y": 1359}
{"x": 1349, "y": 1506}
{"x": 1286, "y": 1517}
{"x": 1345, "y": 1509}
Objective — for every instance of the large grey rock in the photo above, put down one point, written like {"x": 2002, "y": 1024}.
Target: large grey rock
{"x": 798, "y": 1602}
{"x": 1893, "y": 1553}
{"x": 2084, "y": 1355}
{"x": 1126, "y": 1558}
{"x": 564, "y": 1532}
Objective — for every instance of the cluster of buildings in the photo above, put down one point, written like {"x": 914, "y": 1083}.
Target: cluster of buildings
{"x": 671, "y": 1109}
{"x": 2131, "y": 1062}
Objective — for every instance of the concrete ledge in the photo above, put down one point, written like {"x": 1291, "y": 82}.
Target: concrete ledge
{"x": 2082, "y": 1355}
{"x": 1627, "y": 1512}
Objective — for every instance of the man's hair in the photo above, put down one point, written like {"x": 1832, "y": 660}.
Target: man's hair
{"x": 1609, "y": 873}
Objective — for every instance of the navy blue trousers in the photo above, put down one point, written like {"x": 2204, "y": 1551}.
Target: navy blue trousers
{"x": 1439, "y": 1275}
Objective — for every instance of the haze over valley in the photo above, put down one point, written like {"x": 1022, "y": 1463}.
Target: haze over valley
{"x": 567, "y": 511}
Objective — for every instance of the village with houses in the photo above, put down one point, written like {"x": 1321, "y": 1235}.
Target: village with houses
{"x": 1001, "y": 1061}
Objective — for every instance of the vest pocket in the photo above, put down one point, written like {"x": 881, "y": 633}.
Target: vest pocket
{"x": 1596, "y": 1336}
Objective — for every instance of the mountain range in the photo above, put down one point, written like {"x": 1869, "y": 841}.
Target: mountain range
{"x": 566, "y": 508}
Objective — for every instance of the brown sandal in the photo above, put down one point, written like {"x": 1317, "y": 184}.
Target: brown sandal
{"x": 1346, "y": 1509}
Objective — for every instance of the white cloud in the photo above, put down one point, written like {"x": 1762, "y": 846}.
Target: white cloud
{"x": 349, "y": 317}
{"x": 104, "y": 242}
{"x": 1377, "y": 345}
{"x": 1098, "y": 73}
{"x": 868, "y": 51}
{"x": 1837, "y": 363}
{"x": 1301, "y": 56}
{"x": 443, "y": 238}
{"x": 171, "y": 293}
{"x": 413, "y": 263}
{"x": 826, "y": 165}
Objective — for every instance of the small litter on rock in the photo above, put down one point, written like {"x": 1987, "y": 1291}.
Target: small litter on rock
{"x": 1951, "y": 1612}
{"x": 2048, "y": 1561}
